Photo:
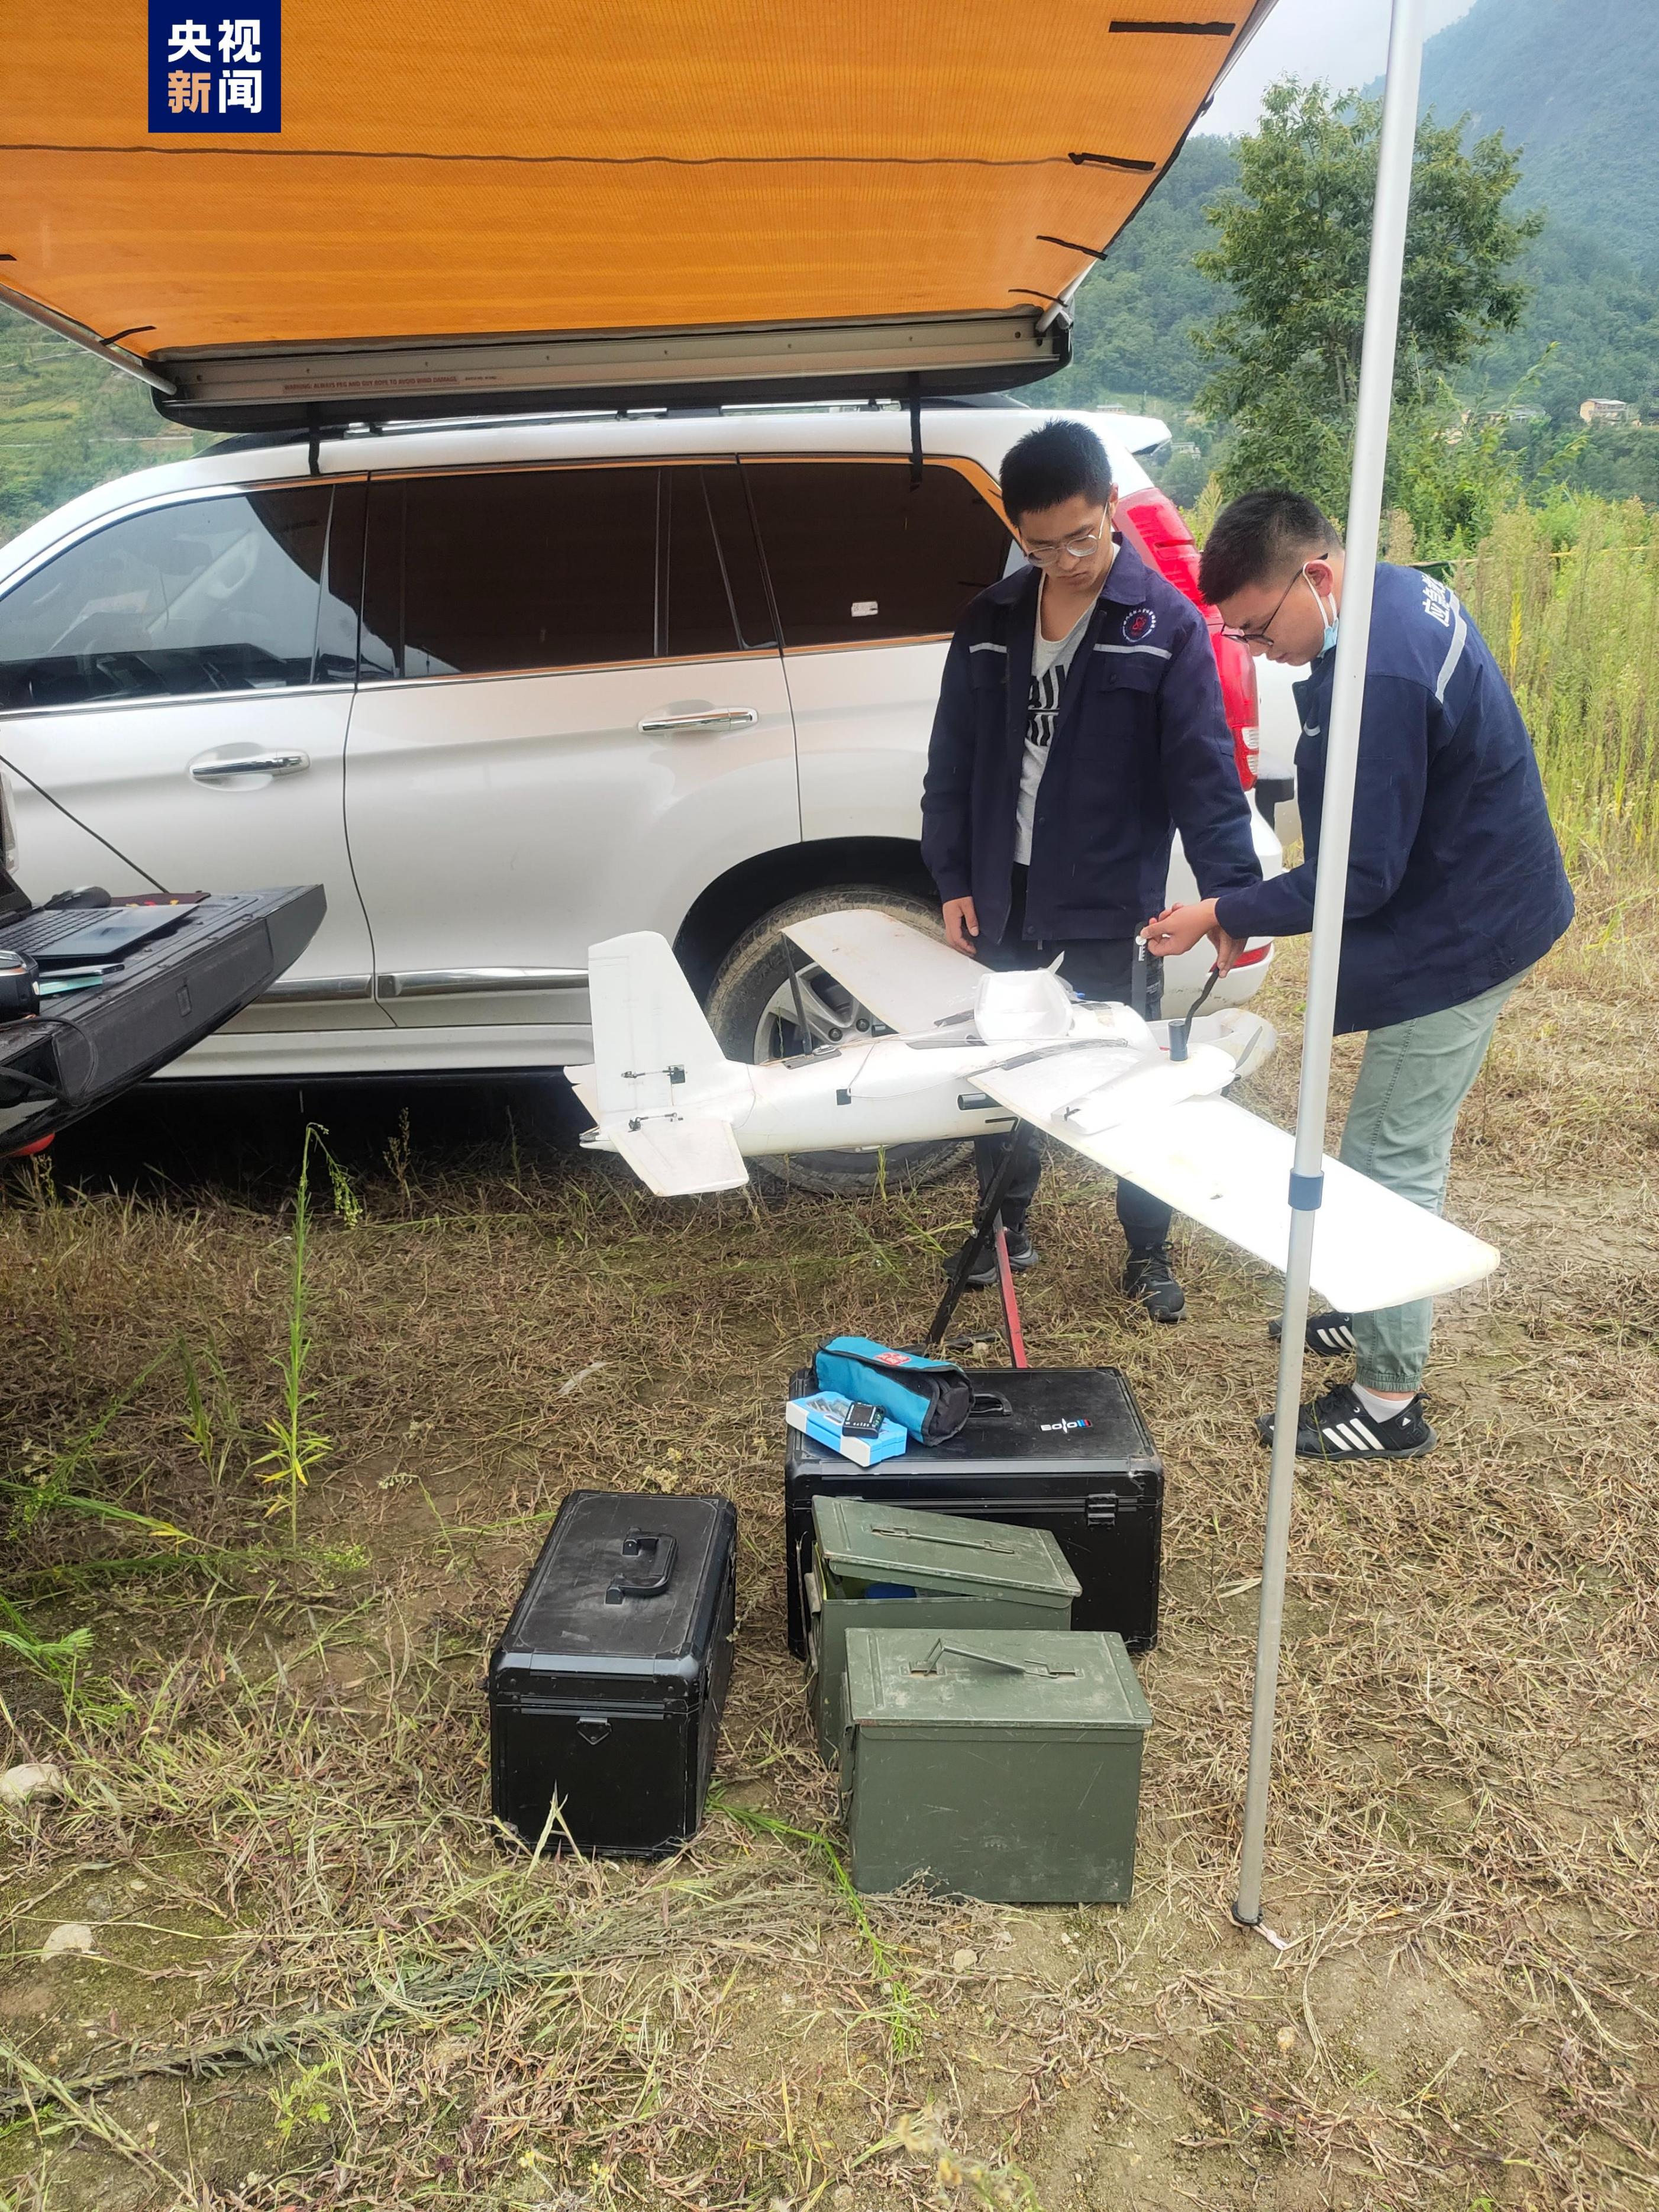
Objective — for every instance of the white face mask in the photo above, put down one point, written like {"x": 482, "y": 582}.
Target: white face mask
{"x": 1330, "y": 619}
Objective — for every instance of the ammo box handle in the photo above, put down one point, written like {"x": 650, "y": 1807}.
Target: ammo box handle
{"x": 664, "y": 1550}
{"x": 930, "y": 1664}
{"x": 929, "y": 1536}
{"x": 981, "y": 1402}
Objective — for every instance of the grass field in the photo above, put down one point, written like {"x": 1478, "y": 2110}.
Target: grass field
{"x": 315, "y": 1981}
{"x": 1568, "y": 599}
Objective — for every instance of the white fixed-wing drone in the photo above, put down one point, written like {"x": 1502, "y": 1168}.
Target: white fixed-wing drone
{"x": 969, "y": 1051}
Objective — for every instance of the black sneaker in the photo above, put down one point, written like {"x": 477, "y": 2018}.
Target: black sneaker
{"x": 1337, "y": 1427}
{"x": 1149, "y": 1279}
{"x": 1022, "y": 1254}
{"x": 1330, "y": 1335}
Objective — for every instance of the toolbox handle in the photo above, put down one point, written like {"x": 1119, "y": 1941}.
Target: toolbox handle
{"x": 930, "y": 1664}
{"x": 984, "y": 1402}
{"x": 665, "y": 1551}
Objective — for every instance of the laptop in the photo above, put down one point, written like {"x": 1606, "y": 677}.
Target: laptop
{"x": 80, "y": 937}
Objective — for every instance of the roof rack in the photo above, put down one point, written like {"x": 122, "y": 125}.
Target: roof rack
{"x": 243, "y": 441}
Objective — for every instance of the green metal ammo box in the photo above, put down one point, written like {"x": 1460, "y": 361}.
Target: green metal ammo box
{"x": 1003, "y": 1766}
{"x": 965, "y": 1574}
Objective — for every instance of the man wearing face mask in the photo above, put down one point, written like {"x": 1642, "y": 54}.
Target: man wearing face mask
{"x": 1455, "y": 888}
{"x": 1079, "y": 724}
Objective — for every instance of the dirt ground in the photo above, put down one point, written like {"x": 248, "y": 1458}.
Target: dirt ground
{"x": 314, "y": 1980}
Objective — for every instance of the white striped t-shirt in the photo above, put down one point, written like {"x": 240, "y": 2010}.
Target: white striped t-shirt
{"x": 1050, "y": 660}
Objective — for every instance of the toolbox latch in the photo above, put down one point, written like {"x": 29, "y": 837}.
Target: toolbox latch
{"x": 1102, "y": 1508}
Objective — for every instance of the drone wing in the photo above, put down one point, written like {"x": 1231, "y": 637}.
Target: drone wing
{"x": 1229, "y": 1171}
{"x": 909, "y": 982}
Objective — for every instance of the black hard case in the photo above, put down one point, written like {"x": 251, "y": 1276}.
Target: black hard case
{"x": 614, "y": 1702}
{"x": 163, "y": 997}
{"x": 1097, "y": 1487}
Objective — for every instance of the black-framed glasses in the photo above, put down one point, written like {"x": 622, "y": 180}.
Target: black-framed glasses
{"x": 1262, "y": 633}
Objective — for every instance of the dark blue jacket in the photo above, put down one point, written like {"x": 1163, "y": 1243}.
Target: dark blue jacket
{"x": 1454, "y": 878}
{"x": 1141, "y": 741}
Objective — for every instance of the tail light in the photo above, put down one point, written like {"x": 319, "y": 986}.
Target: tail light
{"x": 1154, "y": 522}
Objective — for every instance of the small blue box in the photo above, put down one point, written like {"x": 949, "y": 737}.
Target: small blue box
{"x": 820, "y": 1417}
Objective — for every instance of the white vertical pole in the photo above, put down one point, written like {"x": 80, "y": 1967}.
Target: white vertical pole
{"x": 1370, "y": 448}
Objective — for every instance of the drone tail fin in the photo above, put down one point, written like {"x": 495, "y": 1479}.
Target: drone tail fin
{"x": 664, "y": 1094}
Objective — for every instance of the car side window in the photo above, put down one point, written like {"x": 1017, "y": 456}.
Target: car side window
{"x": 218, "y": 594}
{"x": 856, "y": 553}
{"x": 493, "y": 571}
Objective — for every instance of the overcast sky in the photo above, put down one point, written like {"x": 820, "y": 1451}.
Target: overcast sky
{"x": 1346, "y": 42}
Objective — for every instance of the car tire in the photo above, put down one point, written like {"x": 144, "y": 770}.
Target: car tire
{"x": 750, "y": 1008}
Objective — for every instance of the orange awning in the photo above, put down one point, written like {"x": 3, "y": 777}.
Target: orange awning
{"x": 628, "y": 194}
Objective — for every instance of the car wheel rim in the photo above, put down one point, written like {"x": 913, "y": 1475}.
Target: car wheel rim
{"x": 833, "y": 1016}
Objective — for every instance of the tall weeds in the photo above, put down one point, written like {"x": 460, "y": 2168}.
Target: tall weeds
{"x": 296, "y": 1446}
{"x": 1568, "y": 599}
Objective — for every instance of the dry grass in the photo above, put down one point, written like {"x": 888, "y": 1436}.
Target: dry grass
{"x": 278, "y": 1827}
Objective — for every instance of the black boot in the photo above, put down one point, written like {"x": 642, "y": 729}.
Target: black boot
{"x": 1149, "y": 1279}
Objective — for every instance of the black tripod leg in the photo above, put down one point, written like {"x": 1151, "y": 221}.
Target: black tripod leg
{"x": 978, "y": 1236}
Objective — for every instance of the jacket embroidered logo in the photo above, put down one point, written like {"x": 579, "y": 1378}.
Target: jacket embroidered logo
{"x": 1141, "y": 623}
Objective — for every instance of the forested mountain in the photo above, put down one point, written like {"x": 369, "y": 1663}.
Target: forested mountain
{"x": 1576, "y": 84}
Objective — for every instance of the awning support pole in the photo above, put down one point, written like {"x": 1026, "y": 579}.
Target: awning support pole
{"x": 1371, "y": 449}
{"x": 51, "y": 318}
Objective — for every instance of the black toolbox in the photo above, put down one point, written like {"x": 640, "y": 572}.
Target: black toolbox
{"x": 1063, "y": 1448}
{"x": 607, "y": 1684}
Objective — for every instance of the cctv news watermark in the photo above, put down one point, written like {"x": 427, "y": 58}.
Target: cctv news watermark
{"x": 211, "y": 72}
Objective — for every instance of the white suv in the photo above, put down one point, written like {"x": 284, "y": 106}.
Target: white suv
{"x": 509, "y": 688}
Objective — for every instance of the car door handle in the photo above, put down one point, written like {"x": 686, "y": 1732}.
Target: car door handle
{"x": 208, "y": 770}
{"x": 711, "y": 718}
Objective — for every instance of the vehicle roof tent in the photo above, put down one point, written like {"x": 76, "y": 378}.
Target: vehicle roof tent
{"x": 575, "y": 203}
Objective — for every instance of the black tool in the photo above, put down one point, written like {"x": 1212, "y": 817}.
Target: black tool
{"x": 862, "y": 1420}
{"x": 1181, "y": 1033}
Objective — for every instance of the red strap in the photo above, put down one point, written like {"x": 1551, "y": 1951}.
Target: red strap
{"x": 1010, "y": 1303}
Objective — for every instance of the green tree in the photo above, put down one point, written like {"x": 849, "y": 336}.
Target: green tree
{"x": 1292, "y": 249}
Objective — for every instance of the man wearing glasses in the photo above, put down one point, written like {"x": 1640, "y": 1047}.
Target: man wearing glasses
{"x": 1455, "y": 888}
{"x": 1079, "y": 724}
